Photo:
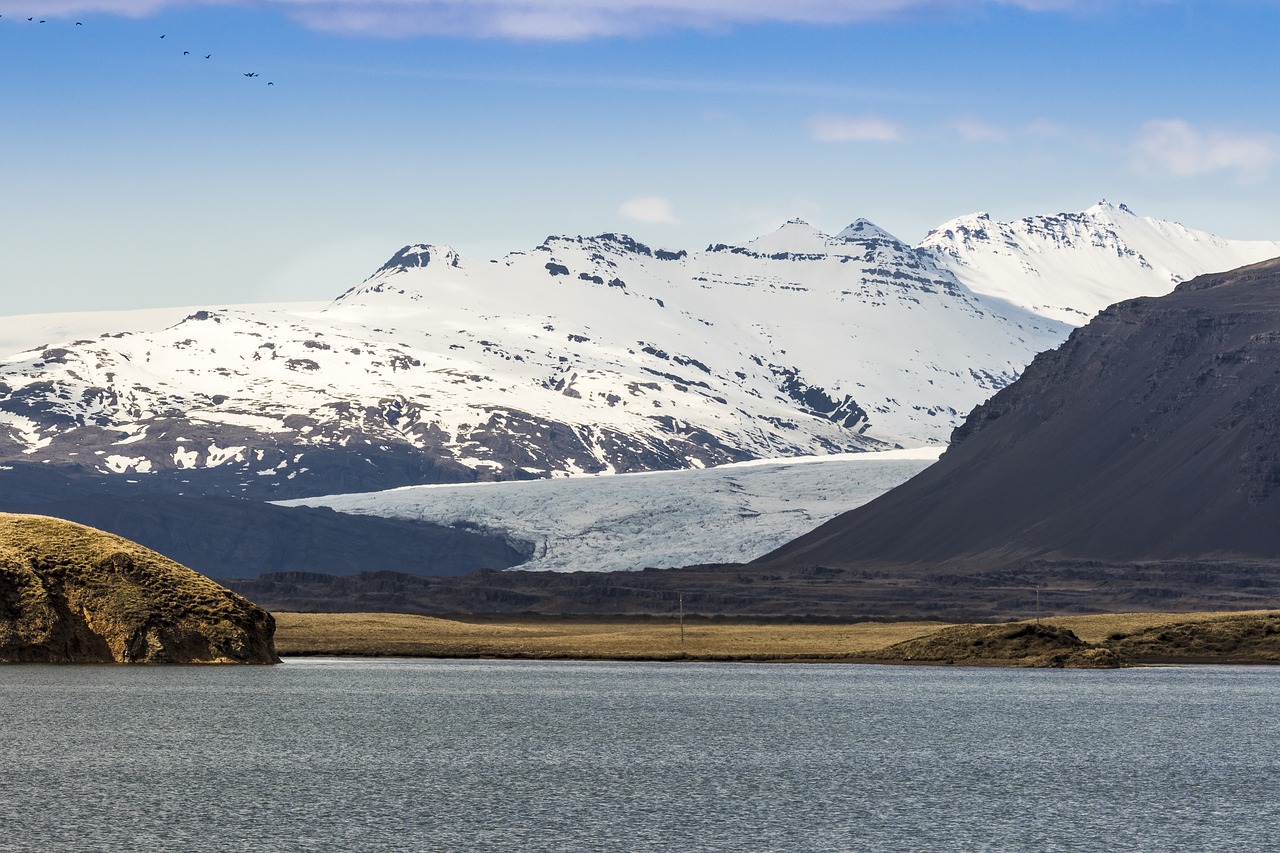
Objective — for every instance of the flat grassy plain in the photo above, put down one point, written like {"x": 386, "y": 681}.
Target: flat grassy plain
{"x": 399, "y": 635}
{"x": 391, "y": 634}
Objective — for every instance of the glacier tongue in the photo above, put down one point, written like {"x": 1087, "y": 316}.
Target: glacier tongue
{"x": 662, "y": 519}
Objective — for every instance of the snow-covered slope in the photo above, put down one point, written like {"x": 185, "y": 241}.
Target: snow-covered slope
{"x": 584, "y": 355}
{"x": 733, "y": 513}
{"x": 22, "y": 332}
{"x": 1070, "y": 266}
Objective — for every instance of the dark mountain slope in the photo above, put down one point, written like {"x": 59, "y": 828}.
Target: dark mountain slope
{"x": 1153, "y": 433}
{"x": 231, "y": 536}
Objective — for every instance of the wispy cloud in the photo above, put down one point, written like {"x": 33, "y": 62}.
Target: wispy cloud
{"x": 1175, "y": 147}
{"x": 974, "y": 130}
{"x": 864, "y": 128}
{"x": 561, "y": 20}
{"x": 649, "y": 208}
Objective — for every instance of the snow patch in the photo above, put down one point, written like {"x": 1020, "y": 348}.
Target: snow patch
{"x": 121, "y": 464}
{"x": 219, "y": 455}
{"x": 184, "y": 458}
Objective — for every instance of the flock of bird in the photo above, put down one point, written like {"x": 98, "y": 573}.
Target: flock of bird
{"x": 249, "y": 74}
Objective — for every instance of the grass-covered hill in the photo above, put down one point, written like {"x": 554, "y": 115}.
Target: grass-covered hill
{"x": 70, "y": 593}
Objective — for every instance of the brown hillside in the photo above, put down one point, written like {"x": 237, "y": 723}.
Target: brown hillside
{"x": 73, "y": 594}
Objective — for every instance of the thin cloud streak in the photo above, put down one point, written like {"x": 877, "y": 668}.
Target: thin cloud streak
{"x": 650, "y": 209}
{"x": 563, "y": 20}
{"x": 866, "y": 128}
{"x": 654, "y": 84}
{"x": 975, "y": 131}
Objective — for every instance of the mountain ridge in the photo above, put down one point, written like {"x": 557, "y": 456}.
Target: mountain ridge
{"x": 582, "y": 355}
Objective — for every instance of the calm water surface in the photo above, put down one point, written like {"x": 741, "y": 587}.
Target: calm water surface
{"x": 334, "y": 755}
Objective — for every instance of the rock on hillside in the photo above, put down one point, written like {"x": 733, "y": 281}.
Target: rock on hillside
{"x": 73, "y": 594}
{"x": 1153, "y": 433}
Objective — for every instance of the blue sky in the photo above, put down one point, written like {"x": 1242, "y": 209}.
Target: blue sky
{"x": 136, "y": 176}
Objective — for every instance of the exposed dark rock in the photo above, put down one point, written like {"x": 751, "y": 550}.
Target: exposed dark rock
{"x": 953, "y": 593}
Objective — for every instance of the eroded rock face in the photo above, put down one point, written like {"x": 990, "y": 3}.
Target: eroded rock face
{"x": 73, "y": 594}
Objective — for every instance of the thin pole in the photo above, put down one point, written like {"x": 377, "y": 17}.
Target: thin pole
{"x": 1037, "y": 605}
{"x": 681, "y": 620}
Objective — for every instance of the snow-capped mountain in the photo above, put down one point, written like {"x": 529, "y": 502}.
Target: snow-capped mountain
{"x": 1072, "y": 265}
{"x": 584, "y": 355}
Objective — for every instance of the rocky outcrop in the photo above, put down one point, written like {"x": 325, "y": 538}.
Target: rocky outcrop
{"x": 1019, "y": 644}
{"x": 73, "y": 594}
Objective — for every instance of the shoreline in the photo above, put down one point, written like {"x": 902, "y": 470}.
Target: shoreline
{"x": 1249, "y": 638}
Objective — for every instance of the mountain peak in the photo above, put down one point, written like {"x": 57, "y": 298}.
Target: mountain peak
{"x": 420, "y": 255}
{"x": 864, "y": 229}
{"x": 1104, "y": 206}
{"x": 622, "y": 244}
{"x": 794, "y": 236}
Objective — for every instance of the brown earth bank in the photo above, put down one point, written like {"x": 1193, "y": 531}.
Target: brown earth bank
{"x": 956, "y": 591}
{"x": 1097, "y": 641}
{"x": 73, "y": 594}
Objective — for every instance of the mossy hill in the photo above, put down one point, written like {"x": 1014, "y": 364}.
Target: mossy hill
{"x": 74, "y": 594}
{"x": 1016, "y": 644}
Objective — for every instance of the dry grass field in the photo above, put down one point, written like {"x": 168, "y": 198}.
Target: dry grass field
{"x": 1096, "y": 629}
{"x": 389, "y": 634}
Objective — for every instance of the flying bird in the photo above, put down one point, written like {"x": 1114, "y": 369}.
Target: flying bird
{"x": 250, "y": 74}
{"x": 186, "y": 53}
{"x": 269, "y": 83}
{"x": 207, "y": 55}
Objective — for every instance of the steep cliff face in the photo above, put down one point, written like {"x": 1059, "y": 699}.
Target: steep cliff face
{"x": 73, "y": 594}
{"x": 1152, "y": 433}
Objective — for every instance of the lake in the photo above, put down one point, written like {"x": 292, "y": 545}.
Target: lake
{"x": 409, "y": 755}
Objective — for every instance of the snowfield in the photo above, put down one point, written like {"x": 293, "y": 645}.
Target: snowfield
{"x": 624, "y": 522}
{"x": 1070, "y": 266}
{"x": 21, "y": 333}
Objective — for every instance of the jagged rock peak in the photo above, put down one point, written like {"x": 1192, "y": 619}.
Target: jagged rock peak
{"x": 969, "y": 226}
{"x": 420, "y": 255}
{"x": 1104, "y": 206}
{"x": 615, "y": 243}
{"x": 864, "y": 229}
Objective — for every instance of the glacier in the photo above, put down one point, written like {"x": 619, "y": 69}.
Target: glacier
{"x": 625, "y": 522}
